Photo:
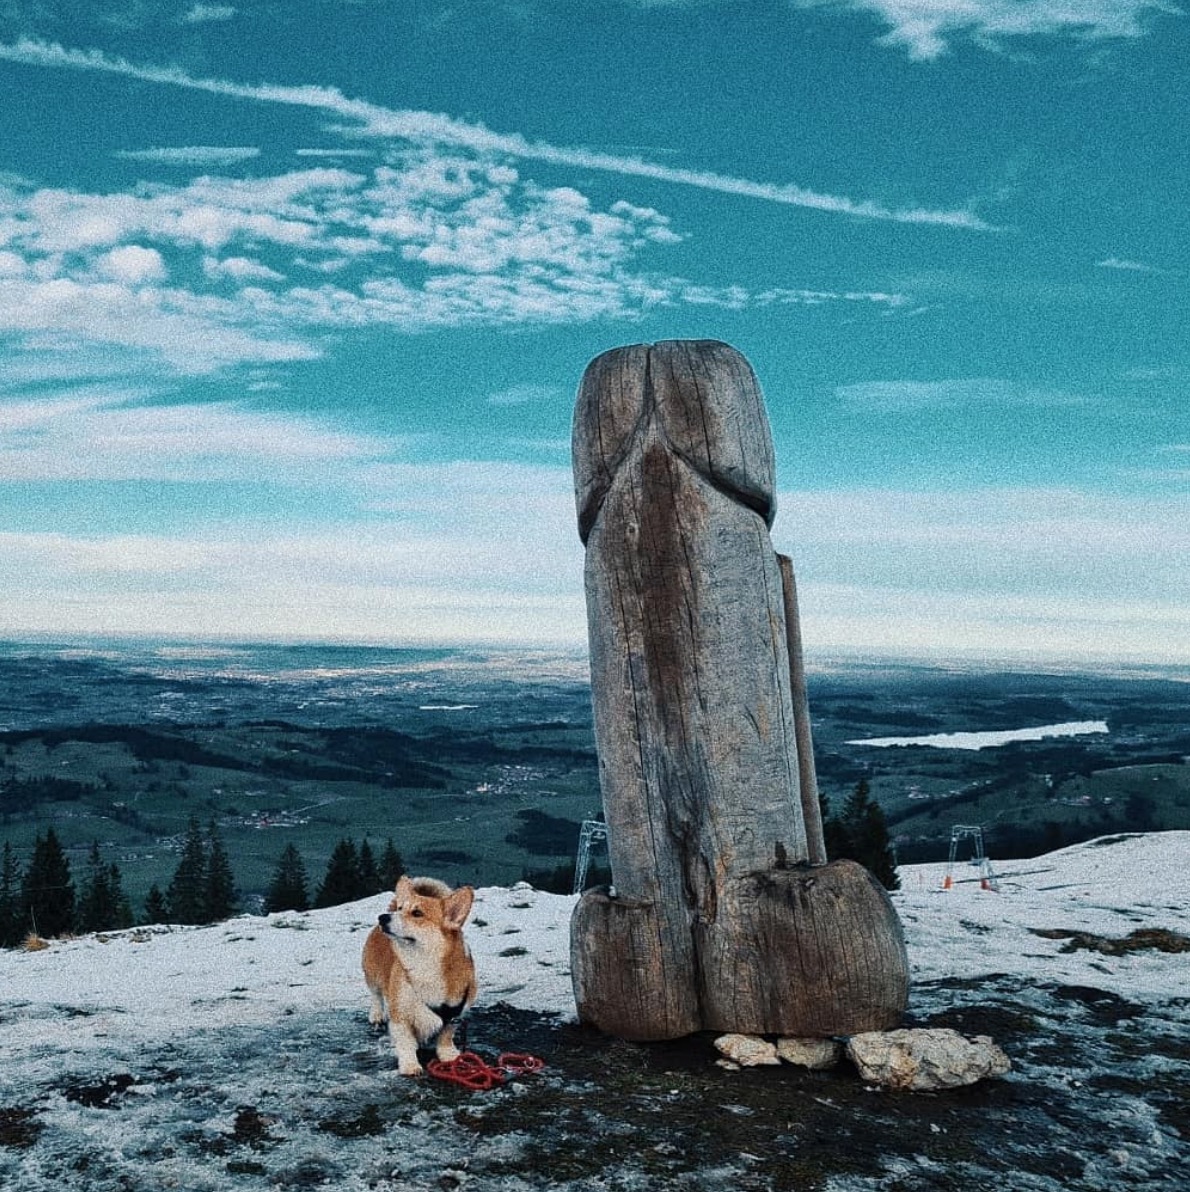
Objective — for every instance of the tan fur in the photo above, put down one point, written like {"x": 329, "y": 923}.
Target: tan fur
{"x": 415, "y": 959}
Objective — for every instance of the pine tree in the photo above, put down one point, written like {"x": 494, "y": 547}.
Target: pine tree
{"x": 391, "y": 866}
{"x": 186, "y": 895}
{"x": 97, "y": 907}
{"x": 11, "y": 902}
{"x": 867, "y": 832}
{"x": 156, "y": 907}
{"x": 834, "y": 831}
{"x": 122, "y": 908}
{"x": 48, "y": 892}
{"x": 287, "y": 891}
{"x": 341, "y": 881}
{"x": 369, "y": 874}
{"x": 219, "y": 889}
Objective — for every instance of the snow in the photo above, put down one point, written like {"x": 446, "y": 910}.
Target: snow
{"x": 1108, "y": 887}
{"x": 150, "y": 984}
{"x": 281, "y": 989}
{"x": 988, "y": 740}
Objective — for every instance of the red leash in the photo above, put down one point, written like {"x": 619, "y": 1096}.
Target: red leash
{"x": 475, "y": 1073}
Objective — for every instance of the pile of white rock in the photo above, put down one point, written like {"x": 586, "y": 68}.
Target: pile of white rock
{"x": 919, "y": 1060}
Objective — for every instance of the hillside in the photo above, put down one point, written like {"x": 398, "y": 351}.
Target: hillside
{"x": 481, "y": 766}
{"x": 239, "y": 1056}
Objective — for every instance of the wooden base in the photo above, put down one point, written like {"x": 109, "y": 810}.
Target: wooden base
{"x": 811, "y": 951}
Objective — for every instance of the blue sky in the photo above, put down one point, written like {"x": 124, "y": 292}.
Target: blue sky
{"x": 295, "y": 296}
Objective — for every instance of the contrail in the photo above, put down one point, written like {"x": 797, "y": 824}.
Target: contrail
{"x": 435, "y": 128}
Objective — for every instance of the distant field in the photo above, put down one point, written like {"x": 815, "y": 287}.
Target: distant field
{"x": 481, "y": 768}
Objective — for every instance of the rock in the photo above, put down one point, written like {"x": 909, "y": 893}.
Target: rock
{"x": 746, "y": 1050}
{"x": 922, "y": 1060}
{"x": 815, "y": 1054}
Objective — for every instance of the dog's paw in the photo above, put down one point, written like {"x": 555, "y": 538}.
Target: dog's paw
{"x": 414, "y": 1070}
{"x": 448, "y": 1055}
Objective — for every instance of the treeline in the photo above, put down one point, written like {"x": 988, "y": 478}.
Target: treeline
{"x": 19, "y": 796}
{"x": 43, "y": 900}
{"x": 352, "y": 873}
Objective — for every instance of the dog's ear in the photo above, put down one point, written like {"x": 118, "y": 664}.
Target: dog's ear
{"x": 404, "y": 889}
{"x": 457, "y": 906}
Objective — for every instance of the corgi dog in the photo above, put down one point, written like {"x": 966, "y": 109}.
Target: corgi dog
{"x": 419, "y": 970}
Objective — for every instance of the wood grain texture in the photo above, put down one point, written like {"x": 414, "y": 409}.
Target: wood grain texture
{"x": 807, "y": 772}
{"x": 691, "y": 690}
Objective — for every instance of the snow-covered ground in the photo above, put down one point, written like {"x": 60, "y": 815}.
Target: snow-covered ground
{"x": 130, "y": 1060}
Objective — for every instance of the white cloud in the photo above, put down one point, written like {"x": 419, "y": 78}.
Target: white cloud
{"x": 204, "y": 157}
{"x": 431, "y": 239}
{"x": 526, "y": 395}
{"x": 457, "y": 552}
{"x": 1051, "y": 571}
{"x": 489, "y": 552}
{"x": 909, "y": 396}
{"x": 239, "y": 269}
{"x": 199, "y": 14}
{"x": 429, "y": 128}
{"x": 927, "y": 28}
{"x": 132, "y": 263}
{"x": 1127, "y": 266}
{"x": 192, "y": 335}
{"x": 106, "y": 435}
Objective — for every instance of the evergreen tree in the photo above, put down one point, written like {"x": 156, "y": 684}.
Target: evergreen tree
{"x": 867, "y": 836}
{"x": 834, "y": 831}
{"x": 391, "y": 866}
{"x": 369, "y": 874}
{"x": 11, "y": 901}
{"x": 186, "y": 895}
{"x": 341, "y": 881}
{"x": 97, "y": 908}
{"x": 48, "y": 891}
{"x": 287, "y": 891}
{"x": 156, "y": 907}
{"x": 219, "y": 890}
{"x": 121, "y": 907}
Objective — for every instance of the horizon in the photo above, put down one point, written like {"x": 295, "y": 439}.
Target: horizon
{"x": 180, "y": 649}
{"x": 294, "y": 304}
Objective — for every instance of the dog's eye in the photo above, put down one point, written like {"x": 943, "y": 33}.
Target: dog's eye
{"x": 417, "y": 913}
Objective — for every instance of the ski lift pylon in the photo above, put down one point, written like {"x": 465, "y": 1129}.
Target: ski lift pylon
{"x": 974, "y": 832}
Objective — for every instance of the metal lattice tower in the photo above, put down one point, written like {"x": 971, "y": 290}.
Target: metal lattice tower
{"x": 592, "y": 830}
{"x": 987, "y": 879}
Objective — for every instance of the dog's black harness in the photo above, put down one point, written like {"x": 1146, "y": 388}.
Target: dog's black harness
{"x": 449, "y": 1011}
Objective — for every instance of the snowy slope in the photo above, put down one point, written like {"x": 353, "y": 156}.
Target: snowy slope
{"x": 193, "y": 1022}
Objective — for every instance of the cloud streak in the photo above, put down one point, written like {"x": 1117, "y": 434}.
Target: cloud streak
{"x": 927, "y": 28}
{"x": 201, "y": 156}
{"x": 910, "y": 396}
{"x": 428, "y": 128}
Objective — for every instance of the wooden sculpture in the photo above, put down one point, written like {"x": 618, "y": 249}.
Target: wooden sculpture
{"x": 716, "y": 918}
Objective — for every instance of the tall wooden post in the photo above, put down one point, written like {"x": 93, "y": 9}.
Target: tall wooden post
{"x": 696, "y": 729}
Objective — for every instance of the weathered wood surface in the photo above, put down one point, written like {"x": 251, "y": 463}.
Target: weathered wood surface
{"x": 828, "y": 955}
{"x": 692, "y": 695}
{"x": 807, "y": 774}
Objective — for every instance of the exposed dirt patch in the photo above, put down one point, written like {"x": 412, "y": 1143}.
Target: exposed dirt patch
{"x": 1096, "y": 1101}
{"x": 1160, "y": 939}
{"x": 19, "y": 1127}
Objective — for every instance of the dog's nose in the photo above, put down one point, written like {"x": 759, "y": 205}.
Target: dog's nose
{"x": 385, "y": 919}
